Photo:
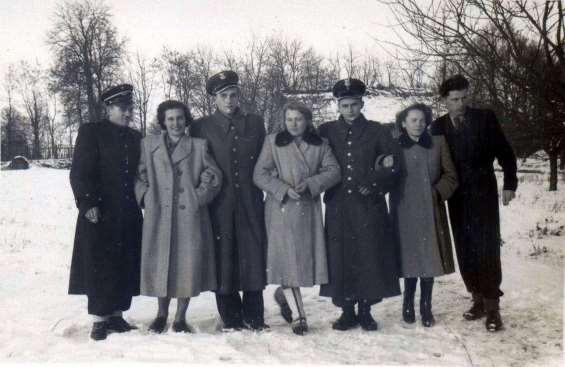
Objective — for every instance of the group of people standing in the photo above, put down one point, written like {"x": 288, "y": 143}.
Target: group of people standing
{"x": 229, "y": 209}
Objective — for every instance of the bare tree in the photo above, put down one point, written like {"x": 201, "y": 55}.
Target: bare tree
{"x": 33, "y": 101}
{"x": 142, "y": 75}
{"x": 476, "y": 35}
{"x": 87, "y": 50}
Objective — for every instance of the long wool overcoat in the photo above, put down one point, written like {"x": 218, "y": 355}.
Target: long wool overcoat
{"x": 417, "y": 204}
{"x": 296, "y": 251}
{"x": 473, "y": 208}
{"x": 106, "y": 255}
{"x": 361, "y": 254}
{"x": 177, "y": 257}
{"x": 237, "y": 212}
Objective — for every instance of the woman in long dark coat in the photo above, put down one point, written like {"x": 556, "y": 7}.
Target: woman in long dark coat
{"x": 176, "y": 180}
{"x": 427, "y": 179}
{"x": 295, "y": 166}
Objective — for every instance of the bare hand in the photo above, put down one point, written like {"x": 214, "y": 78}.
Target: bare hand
{"x": 301, "y": 187}
{"x": 293, "y": 194}
{"x": 206, "y": 176}
{"x": 93, "y": 215}
{"x": 388, "y": 161}
{"x": 507, "y": 196}
{"x": 363, "y": 190}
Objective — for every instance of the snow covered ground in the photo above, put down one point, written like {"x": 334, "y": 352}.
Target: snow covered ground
{"x": 41, "y": 323}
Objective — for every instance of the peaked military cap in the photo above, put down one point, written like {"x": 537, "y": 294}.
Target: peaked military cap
{"x": 349, "y": 88}
{"x": 118, "y": 94}
{"x": 221, "y": 81}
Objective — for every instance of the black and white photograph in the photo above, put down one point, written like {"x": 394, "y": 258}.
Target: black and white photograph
{"x": 366, "y": 182}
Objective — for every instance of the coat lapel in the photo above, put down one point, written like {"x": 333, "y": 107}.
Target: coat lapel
{"x": 301, "y": 156}
{"x": 159, "y": 149}
{"x": 182, "y": 150}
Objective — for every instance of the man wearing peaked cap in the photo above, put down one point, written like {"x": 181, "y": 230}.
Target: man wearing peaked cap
{"x": 361, "y": 255}
{"x": 106, "y": 255}
{"x": 222, "y": 81}
{"x": 349, "y": 88}
{"x": 119, "y": 94}
{"x": 235, "y": 139}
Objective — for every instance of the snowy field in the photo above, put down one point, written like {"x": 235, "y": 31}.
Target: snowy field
{"x": 41, "y": 323}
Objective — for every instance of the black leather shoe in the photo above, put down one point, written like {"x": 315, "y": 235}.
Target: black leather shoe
{"x": 300, "y": 326}
{"x": 257, "y": 325}
{"x": 494, "y": 321}
{"x": 366, "y": 320}
{"x": 233, "y": 325}
{"x": 117, "y": 324}
{"x": 476, "y": 312}
{"x": 158, "y": 325}
{"x": 99, "y": 330}
{"x": 346, "y": 321}
{"x": 286, "y": 312}
{"x": 181, "y": 327}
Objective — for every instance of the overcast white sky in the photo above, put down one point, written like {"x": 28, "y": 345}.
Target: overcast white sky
{"x": 149, "y": 25}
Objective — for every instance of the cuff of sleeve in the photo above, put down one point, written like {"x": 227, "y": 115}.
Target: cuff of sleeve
{"x": 281, "y": 192}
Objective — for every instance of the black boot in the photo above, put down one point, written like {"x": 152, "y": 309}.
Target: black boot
{"x": 477, "y": 311}
{"x": 408, "y": 313}
{"x": 426, "y": 288}
{"x": 181, "y": 327}
{"x": 300, "y": 326}
{"x": 364, "y": 316}
{"x": 347, "y": 320}
{"x": 99, "y": 331}
{"x": 494, "y": 321}
{"x": 286, "y": 312}
{"x": 117, "y": 324}
{"x": 158, "y": 325}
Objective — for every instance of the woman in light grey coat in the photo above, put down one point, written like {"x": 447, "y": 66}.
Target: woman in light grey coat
{"x": 427, "y": 179}
{"x": 295, "y": 166}
{"x": 177, "y": 178}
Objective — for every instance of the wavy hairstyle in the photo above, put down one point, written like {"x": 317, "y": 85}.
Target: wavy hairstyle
{"x": 172, "y": 105}
{"x": 310, "y": 135}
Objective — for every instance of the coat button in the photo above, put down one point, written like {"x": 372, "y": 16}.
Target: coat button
{"x": 234, "y": 150}
{"x": 236, "y": 137}
{"x": 235, "y": 161}
{"x": 236, "y": 173}
{"x": 182, "y": 207}
{"x": 181, "y": 190}
{"x": 349, "y": 191}
{"x": 348, "y": 178}
{"x": 236, "y": 186}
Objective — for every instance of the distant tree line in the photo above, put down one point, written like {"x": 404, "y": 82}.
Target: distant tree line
{"x": 511, "y": 51}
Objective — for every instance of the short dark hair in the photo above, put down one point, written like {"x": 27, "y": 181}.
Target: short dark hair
{"x": 456, "y": 82}
{"x": 172, "y": 105}
{"x": 426, "y": 110}
{"x": 300, "y": 107}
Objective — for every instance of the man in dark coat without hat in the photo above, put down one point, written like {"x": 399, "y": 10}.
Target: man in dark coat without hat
{"x": 235, "y": 139}
{"x": 362, "y": 262}
{"x": 106, "y": 254}
{"x": 475, "y": 139}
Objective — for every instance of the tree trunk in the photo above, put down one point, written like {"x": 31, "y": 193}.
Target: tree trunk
{"x": 553, "y": 171}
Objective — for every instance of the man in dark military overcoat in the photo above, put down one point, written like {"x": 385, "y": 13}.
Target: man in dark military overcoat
{"x": 106, "y": 255}
{"x": 235, "y": 139}
{"x": 361, "y": 257}
{"x": 475, "y": 139}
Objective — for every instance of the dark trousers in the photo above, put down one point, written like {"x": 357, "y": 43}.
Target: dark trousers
{"x": 233, "y": 308}
{"x": 480, "y": 268}
{"x": 104, "y": 306}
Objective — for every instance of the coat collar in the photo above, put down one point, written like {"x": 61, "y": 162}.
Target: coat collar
{"x": 183, "y": 149}
{"x": 238, "y": 120}
{"x": 406, "y": 142}
{"x": 357, "y": 127}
